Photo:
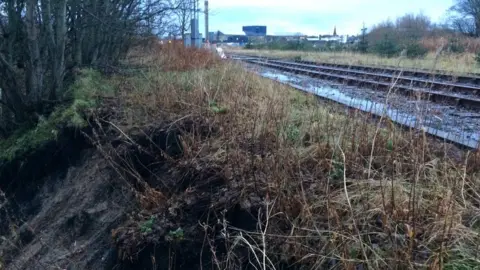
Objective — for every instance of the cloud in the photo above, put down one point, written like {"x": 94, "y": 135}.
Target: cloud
{"x": 299, "y": 5}
{"x": 314, "y": 16}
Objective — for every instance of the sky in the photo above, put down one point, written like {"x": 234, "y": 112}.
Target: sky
{"x": 314, "y": 17}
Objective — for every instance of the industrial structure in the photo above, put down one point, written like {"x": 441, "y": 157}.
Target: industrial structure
{"x": 194, "y": 38}
{"x": 255, "y": 30}
{"x": 252, "y": 33}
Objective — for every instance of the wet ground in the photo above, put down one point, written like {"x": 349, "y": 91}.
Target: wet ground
{"x": 444, "y": 120}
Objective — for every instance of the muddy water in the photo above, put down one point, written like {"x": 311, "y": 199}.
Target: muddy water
{"x": 445, "y": 121}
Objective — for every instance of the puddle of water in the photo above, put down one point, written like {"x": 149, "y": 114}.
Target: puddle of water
{"x": 363, "y": 104}
{"x": 380, "y": 109}
{"x": 279, "y": 77}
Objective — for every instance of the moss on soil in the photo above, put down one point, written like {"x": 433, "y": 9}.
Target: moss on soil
{"x": 85, "y": 92}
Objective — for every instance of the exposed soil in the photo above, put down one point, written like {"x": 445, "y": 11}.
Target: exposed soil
{"x": 71, "y": 224}
{"x": 99, "y": 200}
{"x": 60, "y": 203}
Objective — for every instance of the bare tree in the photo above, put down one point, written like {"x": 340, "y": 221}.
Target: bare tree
{"x": 42, "y": 41}
{"x": 413, "y": 27}
{"x": 182, "y": 16}
{"x": 401, "y": 37}
{"x": 466, "y": 18}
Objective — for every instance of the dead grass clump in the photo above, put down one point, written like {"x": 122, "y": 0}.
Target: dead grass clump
{"x": 179, "y": 58}
{"x": 170, "y": 56}
{"x": 271, "y": 177}
{"x": 467, "y": 44}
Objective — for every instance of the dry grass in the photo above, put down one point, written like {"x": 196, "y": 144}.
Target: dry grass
{"x": 469, "y": 44}
{"x": 169, "y": 57}
{"x": 330, "y": 189}
{"x": 449, "y": 63}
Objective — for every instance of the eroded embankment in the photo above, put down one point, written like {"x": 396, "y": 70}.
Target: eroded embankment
{"x": 223, "y": 169}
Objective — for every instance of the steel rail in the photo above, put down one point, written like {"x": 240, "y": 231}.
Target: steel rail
{"x": 400, "y": 78}
{"x": 338, "y": 75}
{"x": 470, "y": 79}
{"x": 467, "y": 140}
{"x": 409, "y": 123}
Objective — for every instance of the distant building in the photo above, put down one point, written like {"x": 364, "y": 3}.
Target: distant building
{"x": 237, "y": 39}
{"x": 284, "y": 38}
{"x": 212, "y": 37}
{"x": 255, "y": 30}
{"x": 353, "y": 39}
{"x": 220, "y": 36}
{"x": 333, "y": 38}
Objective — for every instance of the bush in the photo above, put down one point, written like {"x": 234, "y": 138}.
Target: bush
{"x": 416, "y": 50}
{"x": 477, "y": 58}
{"x": 455, "y": 46}
{"x": 297, "y": 46}
{"x": 297, "y": 58}
{"x": 386, "y": 47}
{"x": 362, "y": 46}
{"x": 282, "y": 45}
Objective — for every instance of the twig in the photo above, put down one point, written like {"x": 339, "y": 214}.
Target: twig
{"x": 350, "y": 205}
{"x": 464, "y": 176}
{"x": 123, "y": 133}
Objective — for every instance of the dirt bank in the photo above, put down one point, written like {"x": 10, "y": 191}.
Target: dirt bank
{"x": 103, "y": 199}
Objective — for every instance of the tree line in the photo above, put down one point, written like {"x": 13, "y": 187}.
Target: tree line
{"x": 409, "y": 35}
{"x": 43, "y": 43}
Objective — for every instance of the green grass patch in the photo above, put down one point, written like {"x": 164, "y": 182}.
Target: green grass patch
{"x": 85, "y": 92}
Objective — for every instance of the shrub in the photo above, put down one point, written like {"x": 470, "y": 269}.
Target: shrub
{"x": 297, "y": 58}
{"x": 386, "y": 47}
{"x": 477, "y": 58}
{"x": 455, "y": 46}
{"x": 362, "y": 46}
{"x": 416, "y": 50}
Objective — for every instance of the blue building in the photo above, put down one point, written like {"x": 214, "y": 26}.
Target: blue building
{"x": 255, "y": 30}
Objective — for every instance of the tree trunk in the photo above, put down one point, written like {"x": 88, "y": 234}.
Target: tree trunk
{"x": 477, "y": 26}
{"x": 35, "y": 81}
{"x": 10, "y": 90}
{"x": 59, "y": 47}
{"x": 77, "y": 32}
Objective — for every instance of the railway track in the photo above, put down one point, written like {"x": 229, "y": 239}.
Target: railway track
{"x": 437, "y": 91}
{"x": 433, "y": 89}
{"x": 469, "y": 79}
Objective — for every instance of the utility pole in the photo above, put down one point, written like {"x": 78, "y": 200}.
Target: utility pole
{"x": 206, "y": 21}
{"x": 194, "y": 26}
{"x": 363, "y": 45}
